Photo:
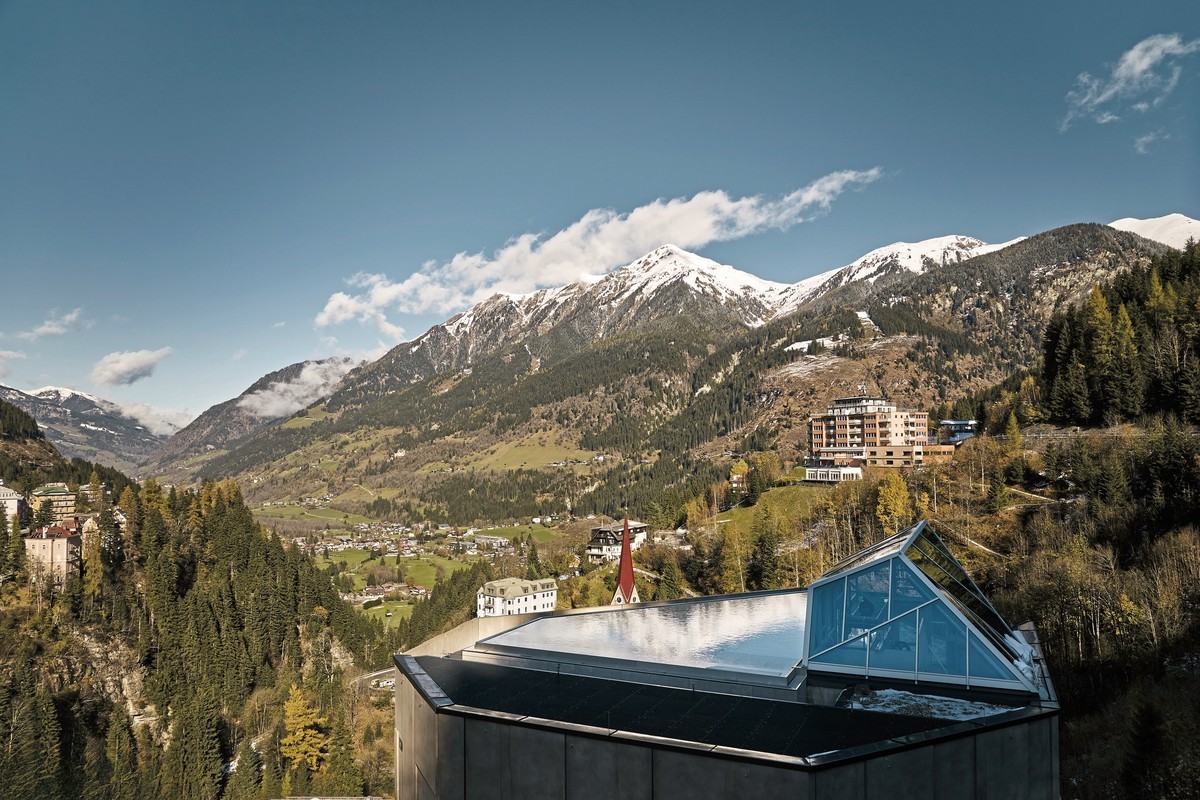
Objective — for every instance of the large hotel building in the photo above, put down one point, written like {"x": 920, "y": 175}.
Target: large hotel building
{"x": 857, "y": 432}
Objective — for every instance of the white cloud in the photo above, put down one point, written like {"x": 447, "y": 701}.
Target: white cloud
{"x": 283, "y": 398}
{"x": 159, "y": 421}
{"x": 238, "y": 354}
{"x": 599, "y": 241}
{"x": 279, "y": 324}
{"x": 1143, "y": 77}
{"x": 1143, "y": 142}
{"x": 56, "y": 325}
{"x": 127, "y": 367}
{"x": 8, "y": 355}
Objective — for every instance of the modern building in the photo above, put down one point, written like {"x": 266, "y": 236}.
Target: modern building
{"x": 868, "y": 432}
{"x": 52, "y": 554}
{"x": 60, "y": 498}
{"x": 12, "y": 504}
{"x": 509, "y": 596}
{"x": 605, "y": 544}
{"x": 954, "y": 431}
{"x": 890, "y": 677}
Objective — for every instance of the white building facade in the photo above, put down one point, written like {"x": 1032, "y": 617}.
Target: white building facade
{"x": 510, "y": 596}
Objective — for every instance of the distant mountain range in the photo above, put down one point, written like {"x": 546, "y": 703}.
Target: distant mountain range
{"x": 89, "y": 427}
{"x": 643, "y": 341}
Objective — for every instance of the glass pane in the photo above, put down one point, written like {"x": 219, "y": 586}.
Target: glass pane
{"x": 828, "y": 604}
{"x": 894, "y": 646}
{"x": 908, "y": 591}
{"x": 986, "y": 665}
{"x": 875, "y": 552}
{"x": 853, "y": 654}
{"x": 941, "y": 642}
{"x": 867, "y": 598}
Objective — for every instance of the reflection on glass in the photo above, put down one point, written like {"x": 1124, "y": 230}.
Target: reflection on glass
{"x": 853, "y": 654}
{"x": 942, "y": 642}
{"x": 761, "y": 635}
{"x": 984, "y": 664}
{"x": 867, "y": 598}
{"x": 894, "y": 646}
{"x": 829, "y": 601}
{"x": 908, "y": 591}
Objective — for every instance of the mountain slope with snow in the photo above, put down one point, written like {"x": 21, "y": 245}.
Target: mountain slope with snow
{"x": 90, "y": 427}
{"x": 1173, "y": 230}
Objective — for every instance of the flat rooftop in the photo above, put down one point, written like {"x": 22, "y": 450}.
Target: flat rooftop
{"x": 753, "y": 637}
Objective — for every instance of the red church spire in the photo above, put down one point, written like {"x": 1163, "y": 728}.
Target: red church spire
{"x": 626, "y": 589}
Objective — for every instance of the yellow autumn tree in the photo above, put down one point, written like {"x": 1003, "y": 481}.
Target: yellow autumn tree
{"x": 893, "y": 508}
{"x": 306, "y": 741}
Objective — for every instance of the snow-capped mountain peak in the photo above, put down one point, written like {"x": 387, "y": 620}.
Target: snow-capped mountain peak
{"x": 670, "y": 263}
{"x": 1173, "y": 230}
{"x": 61, "y": 393}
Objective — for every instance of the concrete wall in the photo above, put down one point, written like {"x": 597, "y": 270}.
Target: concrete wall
{"x": 495, "y": 756}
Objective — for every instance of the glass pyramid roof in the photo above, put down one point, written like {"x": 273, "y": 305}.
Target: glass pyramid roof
{"x": 904, "y": 607}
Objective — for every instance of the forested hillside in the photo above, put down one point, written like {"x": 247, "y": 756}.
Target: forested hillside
{"x": 193, "y": 637}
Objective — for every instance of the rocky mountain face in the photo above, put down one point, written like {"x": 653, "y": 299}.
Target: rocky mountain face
{"x": 273, "y": 397}
{"x": 670, "y": 358}
{"x": 667, "y": 282}
{"x": 82, "y": 425}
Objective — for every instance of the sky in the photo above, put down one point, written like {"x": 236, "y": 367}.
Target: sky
{"x": 193, "y": 195}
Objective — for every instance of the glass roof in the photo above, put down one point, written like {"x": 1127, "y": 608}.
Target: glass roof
{"x": 753, "y": 634}
{"x": 929, "y": 554}
{"x": 876, "y": 552}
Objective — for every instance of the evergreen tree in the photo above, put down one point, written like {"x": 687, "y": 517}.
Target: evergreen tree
{"x": 670, "y": 584}
{"x": 246, "y": 780}
{"x": 122, "y": 757}
{"x": 340, "y": 775}
{"x": 997, "y": 494}
{"x": 16, "y": 547}
{"x": 44, "y": 516}
{"x": 534, "y": 569}
{"x": 5, "y": 546}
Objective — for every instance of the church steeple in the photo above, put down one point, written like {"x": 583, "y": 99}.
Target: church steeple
{"x": 626, "y": 592}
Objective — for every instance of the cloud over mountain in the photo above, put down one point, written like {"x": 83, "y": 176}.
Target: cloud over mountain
{"x": 127, "y": 367}
{"x": 599, "y": 241}
{"x": 283, "y": 398}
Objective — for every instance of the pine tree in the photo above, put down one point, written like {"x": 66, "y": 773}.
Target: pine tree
{"x": 122, "y": 757}
{"x": 246, "y": 780}
{"x": 340, "y": 775}
{"x": 16, "y": 547}
{"x": 5, "y": 546}
{"x": 670, "y": 584}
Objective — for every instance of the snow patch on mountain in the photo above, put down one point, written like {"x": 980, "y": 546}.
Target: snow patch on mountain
{"x": 1173, "y": 230}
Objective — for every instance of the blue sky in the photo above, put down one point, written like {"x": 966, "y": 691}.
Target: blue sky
{"x": 188, "y": 189}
